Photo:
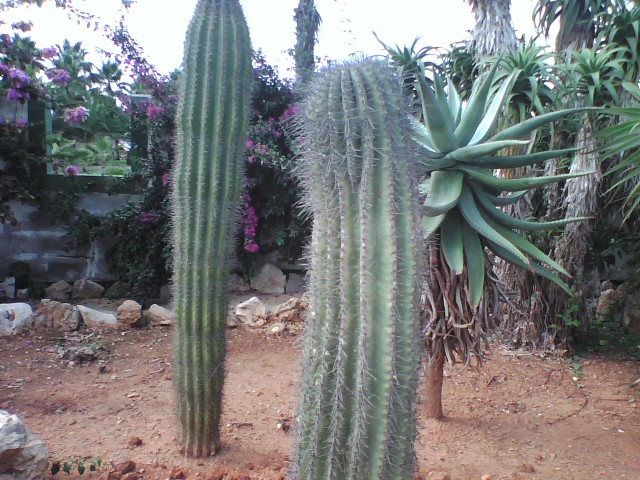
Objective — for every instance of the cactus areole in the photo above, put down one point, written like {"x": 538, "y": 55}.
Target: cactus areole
{"x": 213, "y": 114}
{"x": 362, "y": 347}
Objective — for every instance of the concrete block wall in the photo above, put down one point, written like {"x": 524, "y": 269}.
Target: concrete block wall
{"x": 40, "y": 244}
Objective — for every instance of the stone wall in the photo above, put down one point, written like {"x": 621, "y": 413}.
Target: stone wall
{"x": 40, "y": 244}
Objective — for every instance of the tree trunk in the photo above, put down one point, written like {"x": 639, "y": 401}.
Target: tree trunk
{"x": 435, "y": 376}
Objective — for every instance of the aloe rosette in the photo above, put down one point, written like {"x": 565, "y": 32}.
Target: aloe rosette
{"x": 212, "y": 121}
{"x": 464, "y": 198}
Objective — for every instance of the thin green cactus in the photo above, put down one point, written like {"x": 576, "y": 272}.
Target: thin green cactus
{"x": 212, "y": 122}
{"x": 362, "y": 348}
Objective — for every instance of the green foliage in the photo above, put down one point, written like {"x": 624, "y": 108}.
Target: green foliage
{"x": 213, "y": 111}
{"x": 464, "y": 197}
{"x": 80, "y": 466}
{"x": 359, "y": 375}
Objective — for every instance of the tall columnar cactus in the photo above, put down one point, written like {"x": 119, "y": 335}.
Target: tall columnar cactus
{"x": 361, "y": 357}
{"x": 212, "y": 122}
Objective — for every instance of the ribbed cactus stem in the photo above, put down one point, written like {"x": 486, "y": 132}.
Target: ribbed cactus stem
{"x": 362, "y": 348}
{"x": 212, "y": 120}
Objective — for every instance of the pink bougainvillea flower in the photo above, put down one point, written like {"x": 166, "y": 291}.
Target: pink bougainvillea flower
{"x": 49, "y": 52}
{"x": 59, "y": 77}
{"x": 147, "y": 217}
{"x": 14, "y": 95}
{"x": 165, "y": 179}
{"x": 71, "y": 171}
{"x": 250, "y": 144}
{"x": 21, "y": 123}
{"x": 252, "y": 247}
{"x": 155, "y": 113}
{"x": 76, "y": 115}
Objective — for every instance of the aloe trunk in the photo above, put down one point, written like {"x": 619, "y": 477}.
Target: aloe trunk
{"x": 362, "y": 349}
{"x": 212, "y": 122}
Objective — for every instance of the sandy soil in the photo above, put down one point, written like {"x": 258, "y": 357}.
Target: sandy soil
{"x": 519, "y": 417}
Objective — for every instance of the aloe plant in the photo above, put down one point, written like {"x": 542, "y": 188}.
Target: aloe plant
{"x": 362, "y": 347}
{"x": 464, "y": 201}
{"x": 213, "y": 114}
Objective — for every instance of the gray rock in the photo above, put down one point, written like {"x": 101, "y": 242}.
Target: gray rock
{"x": 237, "y": 284}
{"x": 86, "y": 289}
{"x": 60, "y": 290}
{"x": 296, "y": 283}
{"x": 157, "y": 315}
{"x": 119, "y": 289}
{"x": 15, "y": 317}
{"x": 130, "y": 313}
{"x": 63, "y": 317}
{"x": 292, "y": 311}
{"x": 22, "y": 455}
{"x": 97, "y": 319}
{"x": 22, "y": 294}
{"x": 9, "y": 287}
{"x": 252, "y": 312}
{"x": 166, "y": 294}
{"x": 270, "y": 279}
{"x": 631, "y": 317}
{"x": 609, "y": 305}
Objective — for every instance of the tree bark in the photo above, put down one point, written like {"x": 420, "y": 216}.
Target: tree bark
{"x": 435, "y": 377}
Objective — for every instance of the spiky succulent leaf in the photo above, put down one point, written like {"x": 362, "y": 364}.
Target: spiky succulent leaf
{"x": 464, "y": 196}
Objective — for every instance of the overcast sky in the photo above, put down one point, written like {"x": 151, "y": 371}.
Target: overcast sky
{"x": 159, "y": 25}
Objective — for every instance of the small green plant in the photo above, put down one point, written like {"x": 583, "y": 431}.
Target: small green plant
{"x": 79, "y": 465}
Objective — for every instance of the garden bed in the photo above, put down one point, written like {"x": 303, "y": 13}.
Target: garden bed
{"x": 520, "y": 417}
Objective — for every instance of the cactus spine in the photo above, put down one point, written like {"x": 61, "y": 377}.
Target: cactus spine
{"x": 361, "y": 357}
{"x": 212, "y": 122}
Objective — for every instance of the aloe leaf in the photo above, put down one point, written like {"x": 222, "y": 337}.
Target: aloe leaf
{"x": 473, "y": 114}
{"x": 437, "y": 122}
{"x": 472, "y": 215}
{"x": 471, "y": 152}
{"x": 474, "y": 253}
{"x": 515, "y": 223}
{"x": 430, "y": 224}
{"x": 529, "y": 248}
{"x": 504, "y": 201}
{"x": 516, "y": 184}
{"x": 493, "y": 112}
{"x": 543, "y": 272}
{"x": 444, "y": 192}
{"x": 516, "y": 161}
{"x": 451, "y": 241}
{"x": 524, "y": 128}
{"x": 453, "y": 99}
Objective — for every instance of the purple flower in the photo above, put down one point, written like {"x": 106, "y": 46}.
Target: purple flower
{"x": 29, "y": 343}
{"x": 155, "y": 113}
{"x": 76, "y": 115}
{"x": 4, "y": 69}
{"x": 20, "y": 77}
{"x": 71, "y": 171}
{"x": 148, "y": 217}
{"x": 49, "y": 52}
{"x": 6, "y": 39}
{"x": 14, "y": 95}
{"x": 21, "y": 123}
{"x": 291, "y": 111}
{"x": 59, "y": 77}
{"x": 165, "y": 179}
{"x": 250, "y": 144}
{"x": 252, "y": 247}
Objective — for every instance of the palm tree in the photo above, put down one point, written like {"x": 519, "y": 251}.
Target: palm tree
{"x": 493, "y": 32}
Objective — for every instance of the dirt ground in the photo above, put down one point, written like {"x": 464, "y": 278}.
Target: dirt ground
{"x": 519, "y": 417}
